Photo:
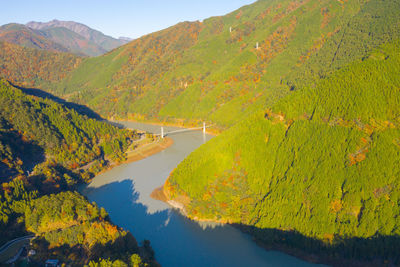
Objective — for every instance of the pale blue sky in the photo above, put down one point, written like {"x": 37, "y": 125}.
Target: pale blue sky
{"x": 130, "y": 18}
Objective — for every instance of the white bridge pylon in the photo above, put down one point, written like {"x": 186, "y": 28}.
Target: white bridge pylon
{"x": 163, "y": 134}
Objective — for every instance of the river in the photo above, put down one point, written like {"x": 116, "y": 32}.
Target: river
{"x": 125, "y": 191}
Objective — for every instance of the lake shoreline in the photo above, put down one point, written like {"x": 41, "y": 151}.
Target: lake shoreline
{"x": 172, "y": 224}
{"x": 141, "y": 153}
{"x": 160, "y": 195}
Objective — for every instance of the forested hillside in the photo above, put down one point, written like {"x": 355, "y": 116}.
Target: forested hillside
{"x": 74, "y": 42}
{"x": 224, "y": 68}
{"x": 318, "y": 171}
{"x": 59, "y": 36}
{"x": 46, "y": 150}
{"x": 308, "y": 92}
{"x": 21, "y": 35}
{"x": 213, "y": 70}
{"x": 29, "y": 67}
{"x": 105, "y": 42}
{"x": 65, "y": 136}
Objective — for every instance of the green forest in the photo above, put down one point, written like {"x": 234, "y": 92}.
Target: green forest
{"x": 212, "y": 70}
{"x": 64, "y": 136}
{"x": 318, "y": 170}
{"x": 44, "y": 148}
{"x": 305, "y": 94}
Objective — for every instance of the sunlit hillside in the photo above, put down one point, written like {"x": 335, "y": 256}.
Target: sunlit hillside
{"x": 318, "y": 169}
{"x": 214, "y": 71}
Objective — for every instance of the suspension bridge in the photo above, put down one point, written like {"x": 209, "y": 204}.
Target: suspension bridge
{"x": 163, "y": 133}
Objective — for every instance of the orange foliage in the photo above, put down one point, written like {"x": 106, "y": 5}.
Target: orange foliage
{"x": 263, "y": 14}
{"x": 325, "y": 17}
{"x": 275, "y": 43}
{"x": 360, "y": 154}
{"x": 336, "y": 205}
{"x": 328, "y": 237}
{"x": 29, "y": 67}
{"x": 162, "y": 49}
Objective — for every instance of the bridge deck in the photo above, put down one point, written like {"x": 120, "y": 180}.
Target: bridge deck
{"x": 182, "y": 130}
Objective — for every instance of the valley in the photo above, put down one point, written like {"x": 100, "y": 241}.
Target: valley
{"x": 303, "y": 97}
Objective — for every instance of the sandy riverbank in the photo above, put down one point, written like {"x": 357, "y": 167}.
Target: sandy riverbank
{"x": 158, "y": 194}
{"x": 149, "y": 149}
{"x": 141, "y": 152}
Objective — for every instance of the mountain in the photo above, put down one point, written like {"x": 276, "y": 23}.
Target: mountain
{"x": 74, "y": 42}
{"x": 61, "y": 133}
{"x": 24, "y": 36}
{"x": 212, "y": 70}
{"x": 42, "y": 145}
{"x": 307, "y": 92}
{"x": 29, "y": 67}
{"x": 59, "y": 36}
{"x": 107, "y": 43}
{"x": 315, "y": 172}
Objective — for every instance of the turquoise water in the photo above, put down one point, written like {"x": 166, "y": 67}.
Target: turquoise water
{"x": 125, "y": 193}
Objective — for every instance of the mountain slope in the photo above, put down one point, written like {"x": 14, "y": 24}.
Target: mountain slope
{"x": 28, "y": 67}
{"x": 42, "y": 146}
{"x": 80, "y": 40}
{"x": 105, "y": 42}
{"x": 310, "y": 90}
{"x": 24, "y": 36}
{"x": 74, "y": 42}
{"x": 213, "y": 71}
{"x": 62, "y": 134}
{"x": 319, "y": 171}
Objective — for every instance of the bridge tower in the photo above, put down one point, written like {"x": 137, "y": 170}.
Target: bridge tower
{"x": 162, "y": 132}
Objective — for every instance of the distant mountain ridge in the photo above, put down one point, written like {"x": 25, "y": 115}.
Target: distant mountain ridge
{"x": 60, "y": 36}
{"x": 106, "y": 42}
{"x": 21, "y": 35}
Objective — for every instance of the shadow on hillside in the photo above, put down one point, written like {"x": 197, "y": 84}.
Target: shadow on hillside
{"x": 81, "y": 109}
{"x": 28, "y": 151}
{"x": 374, "y": 251}
{"x": 172, "y": 234}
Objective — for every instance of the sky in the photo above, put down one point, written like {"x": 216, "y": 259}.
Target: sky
{"x": 128, "y": 18}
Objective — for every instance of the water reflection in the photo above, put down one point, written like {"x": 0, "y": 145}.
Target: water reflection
{"x": 125, "y": 193}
